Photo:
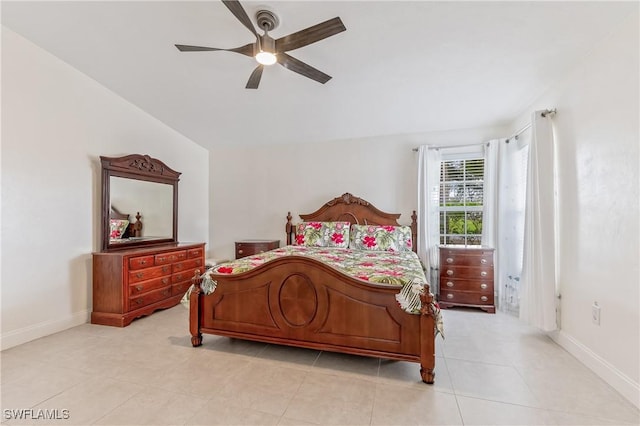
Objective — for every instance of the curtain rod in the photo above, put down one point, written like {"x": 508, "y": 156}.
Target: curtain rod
{"x": 544, "y": 113}
{"x": 450, "y": 146}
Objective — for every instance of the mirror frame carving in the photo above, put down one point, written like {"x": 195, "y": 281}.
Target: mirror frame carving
{"x": 137, "y": 167}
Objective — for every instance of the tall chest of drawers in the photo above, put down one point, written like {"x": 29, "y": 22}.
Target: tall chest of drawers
{"x": 466, "y": 277}
{"x": 128, "y": 284}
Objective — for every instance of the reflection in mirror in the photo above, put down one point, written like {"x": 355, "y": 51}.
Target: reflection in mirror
{"x": 153, "y": 200}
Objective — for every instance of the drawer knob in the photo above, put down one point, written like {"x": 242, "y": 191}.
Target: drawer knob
{"x": 449, "y": 284}
{"x": 139, "y": 275}
{"x": 139, "y": 288}
{"x": 483, "y": 273}
{"x": 449, "y": 272}
{"x": 139, "y": 301}
{"x": 483, "y": 261}
{"x": 240, "y": 251}
{"x": 449, "y": 296}
{"x": 161, "y": 259}
{"x": 483, "y": 286}
{"x": 165, "y": 281}
{"x": 449, "y": 259}
{"x": 143, "y": 262}
{"x": 484, "y": 298}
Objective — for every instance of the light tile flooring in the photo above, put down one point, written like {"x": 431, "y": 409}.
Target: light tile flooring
{"x": 491, "y": 369}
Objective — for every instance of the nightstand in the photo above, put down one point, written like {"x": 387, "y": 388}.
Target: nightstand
{"x": 250, "y": 247}
{"x": 466, "y": 277}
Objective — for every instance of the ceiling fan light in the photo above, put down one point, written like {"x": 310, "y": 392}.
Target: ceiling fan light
{"x": 266, "y": 58}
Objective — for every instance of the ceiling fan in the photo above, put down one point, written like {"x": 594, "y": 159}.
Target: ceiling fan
{"x": 268, "y": 51}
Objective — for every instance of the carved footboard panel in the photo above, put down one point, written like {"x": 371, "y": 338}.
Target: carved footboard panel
{"x": 302, "y": 302}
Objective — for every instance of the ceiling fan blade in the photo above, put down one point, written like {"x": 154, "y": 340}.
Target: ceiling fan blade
{"x": 254, "y": 78}
{"x": 310, "y": 35}
{"x": 186, "y": 48}
{"x": 247, "y": 49}
{"x": 295, "y": 65}
{"x": 238, "y": 11}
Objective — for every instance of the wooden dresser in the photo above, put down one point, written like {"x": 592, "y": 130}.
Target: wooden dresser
{"x": 131, "y": 283}
{"x": 250, "y": 247}
{"x": 466, "y": 277}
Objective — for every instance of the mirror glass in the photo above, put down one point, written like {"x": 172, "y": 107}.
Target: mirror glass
{"x": 154, "y": 202}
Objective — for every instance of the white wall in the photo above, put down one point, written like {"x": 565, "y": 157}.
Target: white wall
{"x": 252, "y": 189}
{"x": 56, "y": 122}
{"x": 597, "y": 136}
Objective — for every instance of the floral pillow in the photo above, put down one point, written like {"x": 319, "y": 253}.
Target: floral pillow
{"x": 117, "y": 228}
{"x": 381, "y": 238}
{"x": 323, "y": 234}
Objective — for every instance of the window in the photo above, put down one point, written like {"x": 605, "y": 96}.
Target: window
{"x": 461, "y": 196}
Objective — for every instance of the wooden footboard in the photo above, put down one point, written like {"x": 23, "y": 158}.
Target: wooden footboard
{"x": 299, "y": 301}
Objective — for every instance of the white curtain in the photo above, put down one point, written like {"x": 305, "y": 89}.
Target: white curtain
{"x": 538, "y": 283}
{"x": 490, "y": 193}
{"x": 512, "y": 171}
{"x": 428, "y": 215}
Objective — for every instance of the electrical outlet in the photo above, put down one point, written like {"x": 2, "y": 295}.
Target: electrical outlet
{"x": 595, "y": 313}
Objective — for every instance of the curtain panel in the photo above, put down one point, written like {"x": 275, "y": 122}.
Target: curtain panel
{"x": 428, "y": 214}
{"x": 538, "y": 283}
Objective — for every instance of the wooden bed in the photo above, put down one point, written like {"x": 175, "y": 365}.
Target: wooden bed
{"x": 299, "y": 301}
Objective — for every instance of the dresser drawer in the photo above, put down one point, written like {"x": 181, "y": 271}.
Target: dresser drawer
{"x": 148, "y": 273}
{"x": 480, "y": 286}
{"x": 186, "y": 265}
{"x": 170, "y": 257}
{"x": 470, "y": 298}
{"x": 149, "y": 298}
{"x": 180, "y": 288}
{"x": 145, "y": 286}
{"x": 140, "y": 262}
{"x": 469, "y": 272}
{"x": 185, "y": 275}
{"x": 193, "y": 253}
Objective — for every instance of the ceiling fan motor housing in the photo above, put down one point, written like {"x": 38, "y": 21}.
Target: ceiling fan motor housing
{"x": 267, "y": 20}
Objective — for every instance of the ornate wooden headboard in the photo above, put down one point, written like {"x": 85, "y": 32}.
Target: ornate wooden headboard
{"x": 348, "y": 208}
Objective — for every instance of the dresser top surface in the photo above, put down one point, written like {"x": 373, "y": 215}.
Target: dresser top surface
{"x": 150, "y": 249}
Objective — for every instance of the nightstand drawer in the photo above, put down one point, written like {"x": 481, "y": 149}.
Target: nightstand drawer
{"x": 250, "y": 247}
{"x": 481, "y": 273}
{"x": 463, "y": 297}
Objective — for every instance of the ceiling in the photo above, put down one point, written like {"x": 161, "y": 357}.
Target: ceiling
{"x": 400, "y": 68}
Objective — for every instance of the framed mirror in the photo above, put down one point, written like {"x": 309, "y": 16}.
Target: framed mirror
{"x": 139, "y": 202}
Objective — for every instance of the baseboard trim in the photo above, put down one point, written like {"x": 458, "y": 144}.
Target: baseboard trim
{"x": 607, "y": 372}
{"x": 35, "y": 331}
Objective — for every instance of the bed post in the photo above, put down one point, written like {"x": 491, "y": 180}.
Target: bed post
{"x": 427, "y": 336}
{"x": 194, "y": 309}
{"x": 414, "y": 231}
{"x": 289, "y": 228}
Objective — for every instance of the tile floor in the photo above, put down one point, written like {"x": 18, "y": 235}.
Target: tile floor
{"x": 491, "y": 369}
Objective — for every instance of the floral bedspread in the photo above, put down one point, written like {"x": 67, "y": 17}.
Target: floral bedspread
{"x": 383, "y": 267}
